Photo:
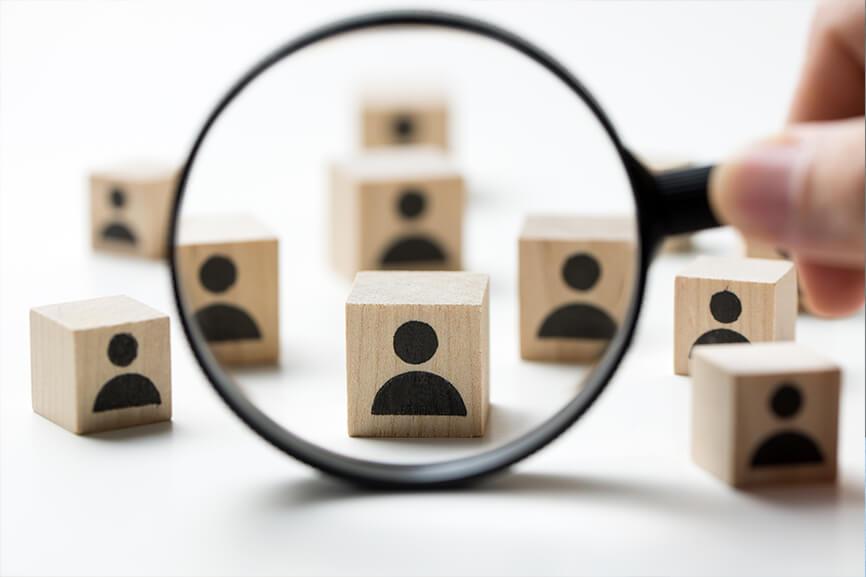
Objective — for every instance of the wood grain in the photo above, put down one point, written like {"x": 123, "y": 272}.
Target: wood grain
{"x": 455, "y": 305}
{"x": 70, "y": 364}
{"x": 765, "y": 289}
{"x": 732, "y": 392}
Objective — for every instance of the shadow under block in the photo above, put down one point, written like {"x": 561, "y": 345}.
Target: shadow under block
{"x": 100, "y": 364}
{"x": 417, "y": 354}
{"x": 764, "y": 413}
{"x": 397, "y": 210}
{"x": 404, "y": 120}
{"x": 576, "y": 278}
{"x": 130, "y": 209}
{"x": 728, "y": 299}
{"x": 229, "y": 277}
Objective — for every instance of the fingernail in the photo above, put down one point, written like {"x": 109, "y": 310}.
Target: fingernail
{"x": 757, "y": 191}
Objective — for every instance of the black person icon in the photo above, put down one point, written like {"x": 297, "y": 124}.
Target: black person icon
{"x": 221, "y": 322}
{"x": 417, "y": 392}
{"x": 726, "y": 308}
{"x": 117, "y": 231}
{"x": 581, "y": 272}
{"x": 403, "y": 128}
{"x": 128, "y": 389}
{"x": 786, "y": 447}
{"x": 412, "y": 204}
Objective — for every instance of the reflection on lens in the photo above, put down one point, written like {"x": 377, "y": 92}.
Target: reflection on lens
{"x": 457, "y": 245}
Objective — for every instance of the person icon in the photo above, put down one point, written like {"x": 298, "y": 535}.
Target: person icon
{"x": 128, "y": 389}
{"x": 117, "y": 231}
{"x": 412, "y": 249}
{"x": 787, "y": 447}
{"x": 726, "y": 308}
{"x": 220, "y": 322}
{"x": 581, "y": 272}
{"x": 403, "y": 128}
{"x": 417, "y": 392}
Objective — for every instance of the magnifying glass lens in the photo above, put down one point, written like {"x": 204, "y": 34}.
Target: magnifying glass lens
{"x": 406, "y": 245}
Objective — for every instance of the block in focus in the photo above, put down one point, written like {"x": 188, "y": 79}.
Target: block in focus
{"x": 100, "y": 364}
{"x": 765, "y": 413}
{"x": 732, "y": 300}
{"x": 417, "y": 354}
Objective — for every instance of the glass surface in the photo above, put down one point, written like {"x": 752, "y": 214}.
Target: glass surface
{"x": 525, "y": 153}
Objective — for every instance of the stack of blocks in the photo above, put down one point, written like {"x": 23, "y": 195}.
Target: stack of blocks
{"x": 100, "y": 364}
{"x": 730, "y": 300}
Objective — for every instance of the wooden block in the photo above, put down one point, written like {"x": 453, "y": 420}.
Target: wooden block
{"x": 401, "y": 119}
{"x": 100, "y": 364}
{"x": 130, "y": 209}
{"x": 229, "y": 276}
{"x": 396, "y": 209}
{"x": 764, "y": 413}
{"x": 757, "y": 249}
{"x": 727, "y": 300}
{"x": 417, "y": 354}
{"x": 576, "y": 279}
{"x": 678, "y": 243}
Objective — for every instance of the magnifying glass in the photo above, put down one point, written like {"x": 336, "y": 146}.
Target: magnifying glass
{"x": 401, "y": 145}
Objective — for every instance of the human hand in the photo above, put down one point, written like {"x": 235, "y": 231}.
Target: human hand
{"x": 803, "y": 190}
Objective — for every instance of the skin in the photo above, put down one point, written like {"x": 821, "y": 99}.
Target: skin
{"x": 803, "y": 190}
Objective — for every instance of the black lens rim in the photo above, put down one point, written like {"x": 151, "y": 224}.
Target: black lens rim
{"x": 464, "y": 469}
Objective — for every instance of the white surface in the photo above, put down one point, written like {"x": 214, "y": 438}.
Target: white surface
{"x": 203, "y": 495}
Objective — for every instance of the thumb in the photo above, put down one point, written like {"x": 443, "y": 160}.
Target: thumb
{"x": 802, "y": 191}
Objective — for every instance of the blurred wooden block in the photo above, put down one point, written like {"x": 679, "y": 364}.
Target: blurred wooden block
{"x": 100, "y": 364}
{"x": 764, "y": 413}
{"x": 679, "y": 243}
{"x": 727, "y": 300}
{"x": 398, "y": 209}
{"x": 757, "y": 249}
{"x": 404, "y": 119}
{"x": 417, "y": 354}
{"x": 229, "y": 275}
{"x": 130, "y": 209}
{"x": 576, "y": 279}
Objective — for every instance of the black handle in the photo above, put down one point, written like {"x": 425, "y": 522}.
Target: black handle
{"x": 684, "y": 197}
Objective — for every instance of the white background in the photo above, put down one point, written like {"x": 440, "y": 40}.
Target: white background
{"x": 84, "y": 84}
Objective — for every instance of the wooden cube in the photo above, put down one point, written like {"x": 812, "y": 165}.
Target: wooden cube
{"x": 230, "y": 280}
{"x": 130, "y": 209}
{"x": 731, "y": 300}
{"x": 576, "y": 277}
{"x": 757, "y": 249}
{"x": 399, "y": 209}
{"x": 100, "y": 364}
{"x": 417, "y": 354}
{"x": 404, "y": 119}
{"x": 764, "y": 413}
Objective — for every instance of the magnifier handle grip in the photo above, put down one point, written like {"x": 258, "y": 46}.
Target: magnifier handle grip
{"x": 684, "y": 196}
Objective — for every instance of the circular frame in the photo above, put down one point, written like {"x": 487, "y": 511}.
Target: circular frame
{"x": 461, "y": 470}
